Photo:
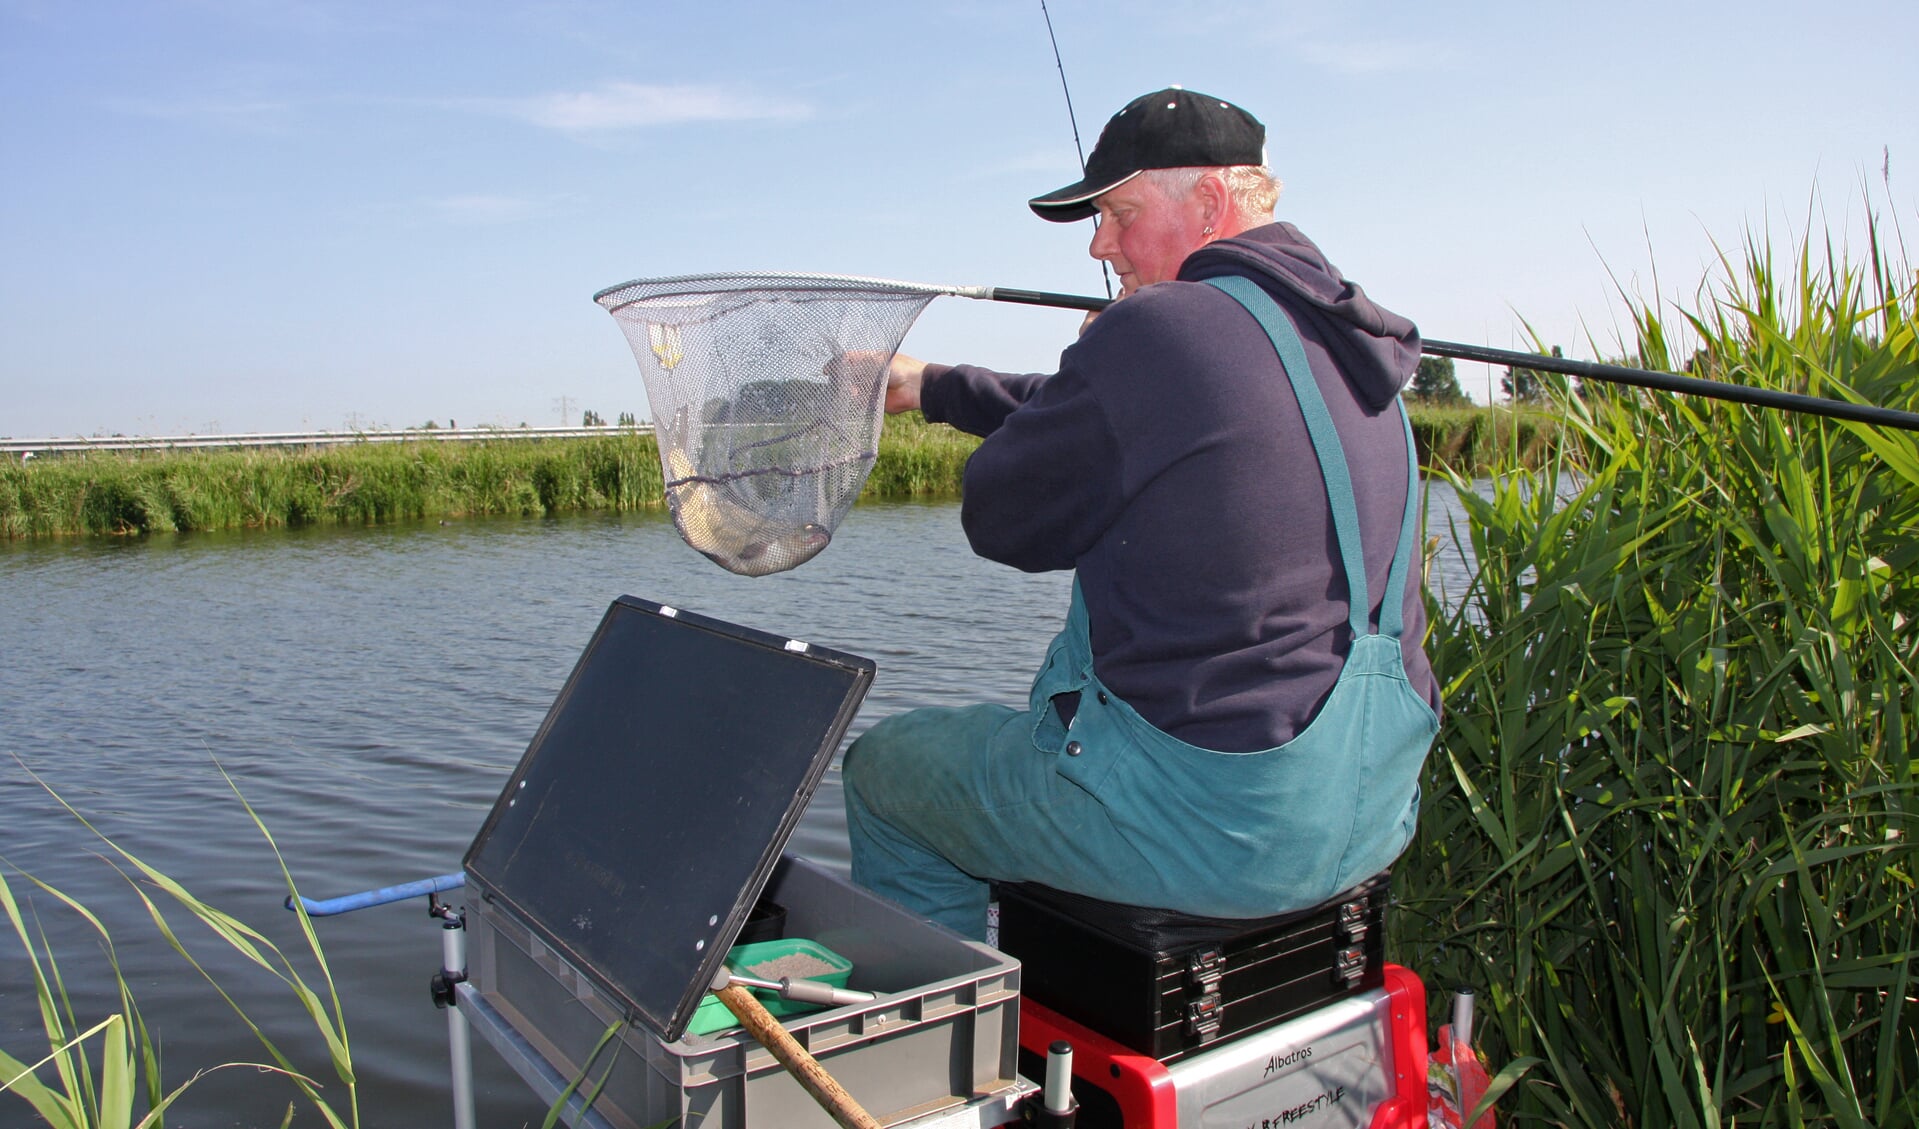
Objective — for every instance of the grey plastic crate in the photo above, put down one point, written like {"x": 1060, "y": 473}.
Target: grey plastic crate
{"x": 943, "y": 1032}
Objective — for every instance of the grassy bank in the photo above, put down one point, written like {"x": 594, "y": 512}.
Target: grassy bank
{"x": 1668, "y": 827}
{"x": 366, "y": 483}
{"x": 141, "y": 492}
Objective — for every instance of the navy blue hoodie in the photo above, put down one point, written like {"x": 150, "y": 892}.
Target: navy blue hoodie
{"x": 1168, "y": 463}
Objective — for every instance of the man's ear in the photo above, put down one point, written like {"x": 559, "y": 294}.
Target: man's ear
{"x": 1214, "y": 199}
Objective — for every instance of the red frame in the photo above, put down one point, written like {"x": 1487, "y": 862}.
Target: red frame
{"x": 1406, "y": 1026}
{"x": 1143, "y": 1089}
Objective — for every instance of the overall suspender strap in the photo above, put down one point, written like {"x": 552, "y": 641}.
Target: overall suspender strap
{"x": 1392, "y": 612}
{"x": 1332, "y": 462}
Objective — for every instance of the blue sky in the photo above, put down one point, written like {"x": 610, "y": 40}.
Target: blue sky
{"x": 242, "y": 215}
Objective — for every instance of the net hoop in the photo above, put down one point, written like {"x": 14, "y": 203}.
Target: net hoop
{"x": 617, "y": 297}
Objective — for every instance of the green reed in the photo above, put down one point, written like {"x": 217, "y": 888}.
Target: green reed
{"x": 1668, "y": 828}
{"x": 356, "y": 484}
{"x": 119, "y": 1085}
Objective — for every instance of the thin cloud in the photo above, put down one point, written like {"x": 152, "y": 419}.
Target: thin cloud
{"x": 617, "y": 106}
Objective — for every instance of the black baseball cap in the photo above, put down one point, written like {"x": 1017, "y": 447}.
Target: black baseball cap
{"x": 1167, "y": 129}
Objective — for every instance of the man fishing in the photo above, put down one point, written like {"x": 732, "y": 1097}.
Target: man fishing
{"x": 1233, "y": 720}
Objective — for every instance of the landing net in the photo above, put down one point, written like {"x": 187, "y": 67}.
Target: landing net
{"x": 767, "y": 392}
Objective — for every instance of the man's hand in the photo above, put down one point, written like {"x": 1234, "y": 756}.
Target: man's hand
{"x": 903, "y": 383}
{"x": 903, "y": 376}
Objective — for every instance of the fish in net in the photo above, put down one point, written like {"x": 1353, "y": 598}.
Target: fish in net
{"x": 766, "y": 392}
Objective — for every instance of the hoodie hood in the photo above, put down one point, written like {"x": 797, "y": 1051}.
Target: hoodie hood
{"x": 1376, "y": 349}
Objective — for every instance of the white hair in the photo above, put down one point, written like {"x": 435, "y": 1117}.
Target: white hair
{"x": 1254, "y": 188}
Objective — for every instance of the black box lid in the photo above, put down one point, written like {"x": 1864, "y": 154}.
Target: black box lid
{"x": 649, "y": 811}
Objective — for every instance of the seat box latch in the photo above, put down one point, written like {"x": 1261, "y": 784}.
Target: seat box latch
{"x": 1205, "y": 968}
{"x": 1352, "y": 920}
{"x": 1204, "y": 1017}
{"x": 1350, "y": 965}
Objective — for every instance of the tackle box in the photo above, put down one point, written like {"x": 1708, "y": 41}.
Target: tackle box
{"x": 942, "y": 1035}
{"x": 628, "y": 850}
{"x": 1167, "y": 984}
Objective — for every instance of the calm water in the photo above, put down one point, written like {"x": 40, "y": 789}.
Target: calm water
{"x": 369, "y": 691}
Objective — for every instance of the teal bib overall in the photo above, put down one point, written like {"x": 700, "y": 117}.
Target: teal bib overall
{"x": 1247, "y": 834}
{"x": 939, "y": 800}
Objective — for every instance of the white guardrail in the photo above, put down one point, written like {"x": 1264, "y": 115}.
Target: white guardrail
{"x": 31, "y": 447}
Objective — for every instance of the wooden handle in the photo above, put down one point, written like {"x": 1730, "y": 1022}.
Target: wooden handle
{"x": 801, "y": 1065}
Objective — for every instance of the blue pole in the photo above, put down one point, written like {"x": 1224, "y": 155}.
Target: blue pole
{"x": 380, "y": 897}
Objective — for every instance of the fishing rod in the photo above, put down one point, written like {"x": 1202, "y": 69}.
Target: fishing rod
{"x": 1104, "y": 274}
{"x": 1064, "y": 89}
{"x": 1585, "y": 370}
{"x": 1684, "y": 385}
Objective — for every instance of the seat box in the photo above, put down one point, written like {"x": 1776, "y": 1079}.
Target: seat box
{"x": 1167, "y": 985}
{"x": 943, "y": 1032}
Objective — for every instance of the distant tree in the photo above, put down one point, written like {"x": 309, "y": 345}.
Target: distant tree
{"x": 1521, "y": 386}
{"x": 1435, "y": 383}
{"x": 627, "y": 419}
{"x": 1524, "y": 385}
{"x": 592, "y": 419}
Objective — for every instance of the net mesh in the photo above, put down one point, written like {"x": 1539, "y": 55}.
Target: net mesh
{"x": 766, "y": 393}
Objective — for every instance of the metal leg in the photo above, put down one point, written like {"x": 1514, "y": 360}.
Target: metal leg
{"x": 459, "y": 1047}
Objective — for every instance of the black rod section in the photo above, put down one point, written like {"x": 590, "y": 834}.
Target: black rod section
{"x": 1615, "y": 374}
{"x": 1673, "y": 382}
{"x": 1043, "y": 298}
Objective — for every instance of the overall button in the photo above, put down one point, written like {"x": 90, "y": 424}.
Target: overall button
{"x": 1102, "y": 697}
{"x": 1072, "y": 748}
